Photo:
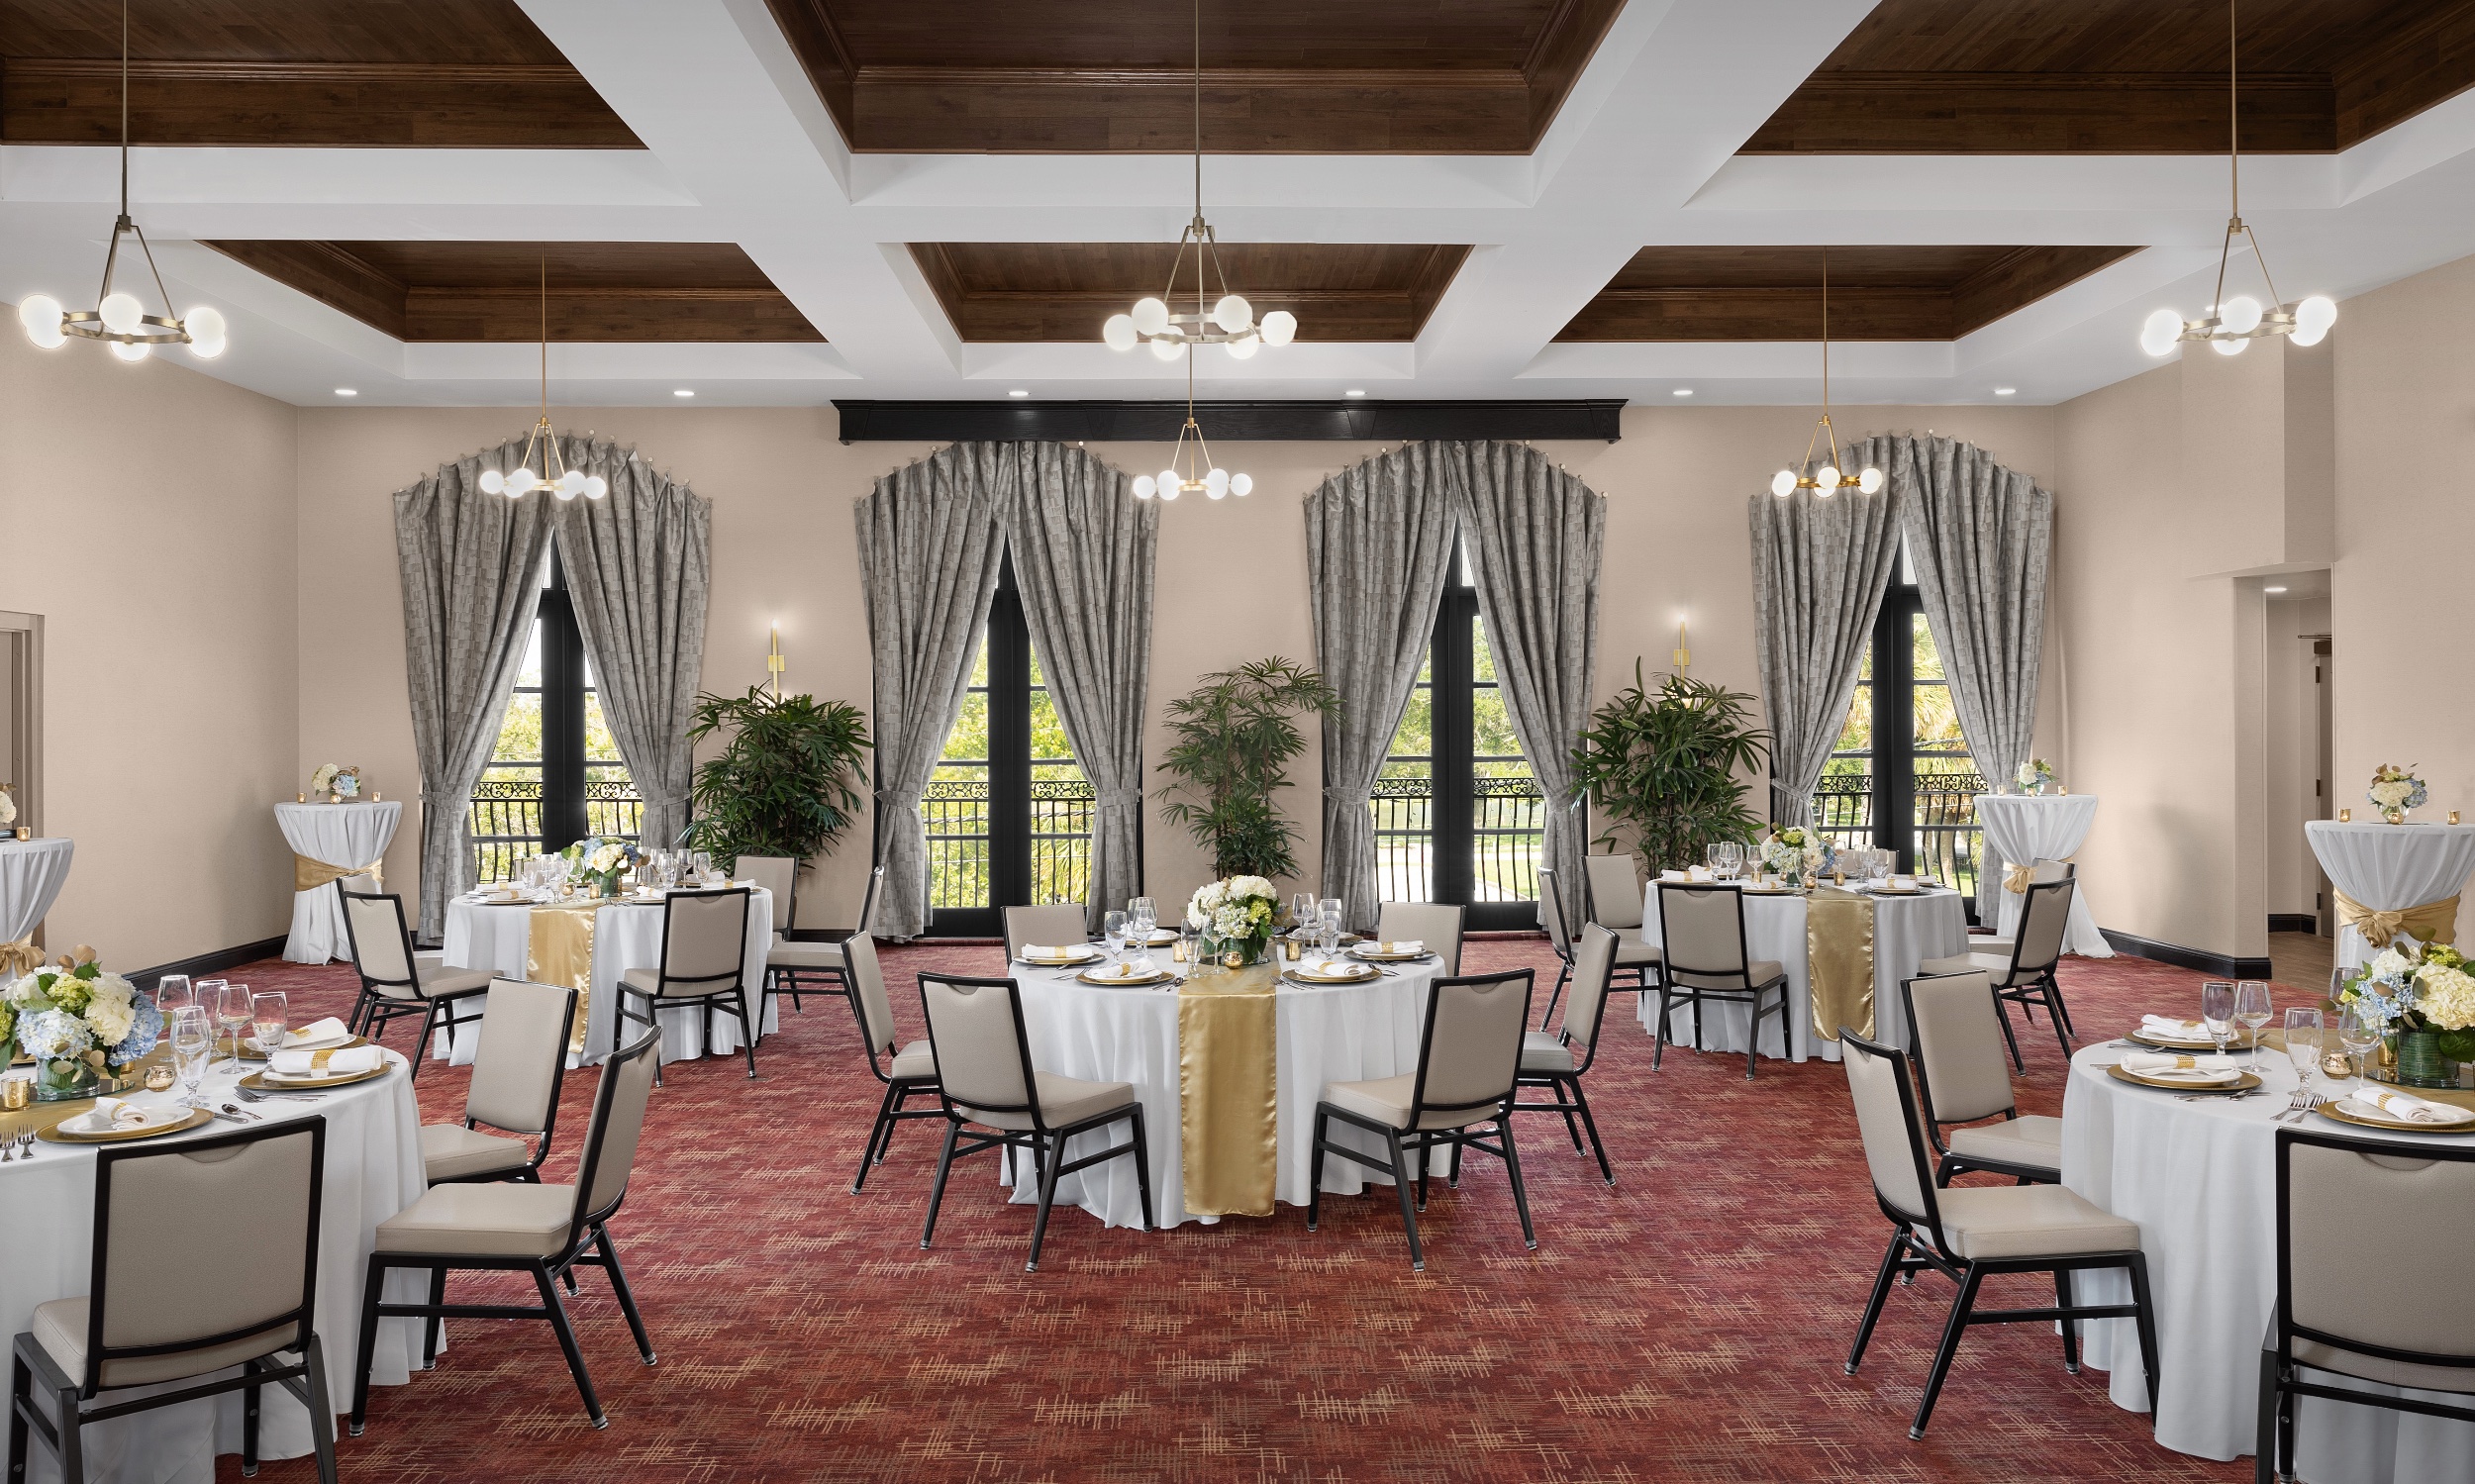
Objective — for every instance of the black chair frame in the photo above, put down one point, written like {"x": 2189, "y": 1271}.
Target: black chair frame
{"x": 1401, "y": 1145}
{"x": 1044, "y": 1143}
{"x": 729, "y": 999}
{"x": 529, "y": 1173}
{"x": 1644, "y": 980}
{"x": 1946, "y": 1163}
{"x": 793, "y": 981}
{"x": 1670, "y": 990}
{"x": 890, "y": 1111}
{"x": 2044, "y": 989}
{"x": 1566, "y": 1087}
{"x": 375, "y": 1011}
{"x": 305, "y": 1379}
{"x": 587, "y": 1229}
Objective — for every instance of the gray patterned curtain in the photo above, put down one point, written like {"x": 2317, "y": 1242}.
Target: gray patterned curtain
{"x": 1083, "y": 550}
{"x": 929, "y": 553}
{"x": 1821, "y": 566}
{"x": 1535, "y": 535}
{"x": 471, "y": 566}
{"x": 640, "y": 570}
{"x": 1378, "y": 537}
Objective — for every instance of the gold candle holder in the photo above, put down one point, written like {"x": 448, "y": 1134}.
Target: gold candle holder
{"x": 2344, "y": 815}
{"x": 159, "y": 1078}
{"x": 2453, "y": 815}
{"x": 1177, "y": 951}
{"x": 25, "y": 833}
{"x": 1292, "y": 950}
{"x": 16, "y": 1094}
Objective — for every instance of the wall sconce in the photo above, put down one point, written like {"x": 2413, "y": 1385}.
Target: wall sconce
{"x": 1683, "y": 656}
{"x": 775, "y": 664}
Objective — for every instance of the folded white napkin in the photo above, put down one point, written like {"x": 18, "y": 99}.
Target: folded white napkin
{"x": 1673, "y": 876}
{"x": 1061, "y": 950}
{"x": 2166, "y": 1066}
{"x": 1697, "y": 874}
{"x": 1406, "y": 945}
{"x": 1903, "y": 883}
{"x": 342, "y": 1063}
{"x": 1335, "y": 968}
{"x": 2389, "y": 1102}
{"x": 329, "y": 1029}
{"x": 1140, "y": 966}
{"x": 113, "y": 1113}
{"x": 2173, "y": 1028}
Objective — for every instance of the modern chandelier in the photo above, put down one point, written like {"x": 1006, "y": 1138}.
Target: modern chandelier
{"x": 566, "y": 483}
{"x": 1826, "y": 481}
{"x": 1230, "y": 318}
{"x": 2233, "y": 324}
{"x": 117, "y": 318}
{"x": 1191, "y": 468}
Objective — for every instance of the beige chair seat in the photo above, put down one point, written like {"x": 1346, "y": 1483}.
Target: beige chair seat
{"x": 1633, "y": 953}
{"x": 61, "y": 1328}
{"x": 1995, "y": 967}
{"x": 919, "y": 1059}
{"x": 439, "y": 979}
{"x": 804, "y": 955}
{"x": 2330, "y": 1357}
{"x": 647, "y": 981}
{"x": 1542, "y": 1053}
{"x": 1988, "y": 1223}
{"x": 2029, "y": 1140}
{"x": 1760, "y": 971}
{"x": 1062, "y": 1100}
{"x": 484, "y": 1221}
{"x": 450, "y": 1152}
{"x": 1998, "y": 947}
{"x": 1386, "y": 1100}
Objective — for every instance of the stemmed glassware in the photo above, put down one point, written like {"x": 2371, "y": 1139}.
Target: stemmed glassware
{"x": 2303, "y": 1048}
{"x": 231, "y": 1012}
{"x": 1112, "y": 928}
{"x": 2357, "y": 1033}
{"x": 193, "y": 1047}
{"x": 173, "y": 991}
{"x": 2251, "y": 1008}
{"x": 269, "y": 1017}
{"x": 1328, "y": 915}
{"x": 1142, "y": 919}
{"x": 2217, "y": 1012}
{"x": 1302, "y": 915}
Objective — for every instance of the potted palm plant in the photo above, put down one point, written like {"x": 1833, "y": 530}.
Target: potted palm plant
{"x": 787, "y": 780}
{"x": 1669, "y": 762}
{"x": 1236, "y": 737}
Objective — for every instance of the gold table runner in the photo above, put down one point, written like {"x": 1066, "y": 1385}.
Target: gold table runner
{"x": 559, "y": 950}
{"x": 310, "y": 874}
{"x": 2427, "y": 922}
{"x": 1227, "y": 1090}
{"x": 1838, "y": 961}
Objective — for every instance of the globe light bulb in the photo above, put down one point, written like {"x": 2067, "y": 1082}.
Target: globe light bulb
{"x": 2240, "y": 315}
{"x": 1280, "y": 326}
{"x": 1783, "y": 483}
{"x": 2228, "y": 348}
{"x": 1167, "y": 350}
{"x": 2159, "y": 331}
{"x": 1167, "y": 485}
{"x": 523, "y": 482}
{"x": 1826, "y": 479}
{"x": 205, "y": 325}
{"x": 132, "y": 351}
{"x": 1243, "y": 350}
{"x": 1150, "y": 316}
{"x": 1241, "y": 485}
{"x": 40, "y": 315}
{"x": 2313, "y": 319}
{"x": 596, "y": 487}
{"x": 121, "y": 314}
{"x": 1144, "y": 484}
{"x": 493, "y": 482}
{"x": 1216, "y": 483}
{"x": 570, "y": 484}
{"x": 1119, "y": 333}
{"x": 1869, "y": 481}
{"x": 1233, "y": 313}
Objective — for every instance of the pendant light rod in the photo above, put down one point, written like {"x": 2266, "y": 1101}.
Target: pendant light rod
{"x": 556, "y": 477}
{"x": 1828, "y": 479}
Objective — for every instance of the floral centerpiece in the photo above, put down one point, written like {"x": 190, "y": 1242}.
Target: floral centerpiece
{"x": 8, "y": 806}
{"x": 602, "y": 862}
{"x": 75, "y": 1020}
{"x": 1793, "y": 850}
{"x": 1234, "y": 919}
{"x": 336, "y": 780}
{"x": 2421, "y": 999}
{"x": 2394, "y": 792}
{"x": 2035, "y": 775}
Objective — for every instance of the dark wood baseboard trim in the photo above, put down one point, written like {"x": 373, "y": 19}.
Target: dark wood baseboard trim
{"x": 2199, "y": 960}
{"x": 210, "y": 963}
{"x": 2292, "y": 921}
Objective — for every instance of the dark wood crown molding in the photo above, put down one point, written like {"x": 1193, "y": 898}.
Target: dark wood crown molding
{"x": 1352, "y": 421}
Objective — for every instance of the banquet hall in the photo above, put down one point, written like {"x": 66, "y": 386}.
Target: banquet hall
{"x": 1157, "y": 741}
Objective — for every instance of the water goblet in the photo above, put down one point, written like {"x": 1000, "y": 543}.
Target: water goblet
{"x": 2303, "y": 1048}
{"x": 1329, "y": 920}
{"x": 2359, "y": 1035}
{"x": 173, "y": 991}
{"x": 270, "y": 1014}
{"x": 1112, "y": 928}
{"x": 1302, "y": 914}
{"x": 231, "y": 1012}
{"x": 2217, "y": 1012}
{"x": 2251, "y": 1008}
{"x": 1142, "y": 919}
{"x": 193, "y": 1047}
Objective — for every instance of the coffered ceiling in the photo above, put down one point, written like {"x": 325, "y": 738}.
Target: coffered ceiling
{"x": 1064, "y": 291}
{"x": 1903, "y": 293}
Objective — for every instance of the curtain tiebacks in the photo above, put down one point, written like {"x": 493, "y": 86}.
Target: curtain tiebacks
{"x": 2019, "y": 878}
{"x": 19, "y": 959}
{"x": 2430, "y": 922}
{"x": 309, "y": 875}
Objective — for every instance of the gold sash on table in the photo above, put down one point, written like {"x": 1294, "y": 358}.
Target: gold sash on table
{"x": 1227, "y": 1090}
{"x": 309, "y": 874}
{"x": 1838, "y": 961}
{"x": 2018, "y": 878}
{"x": 2431, "y": 922}
{"x": 559, "y": 950}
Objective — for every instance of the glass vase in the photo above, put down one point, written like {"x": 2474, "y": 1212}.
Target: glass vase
{"x": 2419, "y": 1060}
{"x": 64, "y": 1081}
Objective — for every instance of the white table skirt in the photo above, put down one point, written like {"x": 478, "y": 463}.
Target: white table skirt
{"x": 2201, "y": 1179}
{"x": 2390, "y": 866}
{"x": 1340, "y": 1034}
{"x": 340, "y": 835}
{"x": 2026, "y": 829}
{"x": 32, "y": 872}
{"x": 626, "y": 936}
{"x": 1906, "y": 930}
{"x": 374, "y": 1170}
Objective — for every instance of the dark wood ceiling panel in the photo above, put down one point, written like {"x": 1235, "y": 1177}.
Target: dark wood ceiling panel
{"x": 667, "y": 292}
{"x": 2122, "y": 77}
{"x": 1894, "y": 294}
{"x": 395, "y": 74}
{"x": 1385, "y": 76}
{"x": 1066, "y": 291}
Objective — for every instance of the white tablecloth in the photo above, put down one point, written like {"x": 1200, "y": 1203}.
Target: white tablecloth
{"x": 626, "y": 936}
{"x": 341, "y": 835}
{"x": 2389, "y": 866}
{"x": 2028, "y": 827}
{"x": 374, "y": 1170}
{"x": 1906, "y": 930}
{"x": 31, "y": 874}
{"x": 1336, "y": 1034}
{"x": 2201, "y": 1179}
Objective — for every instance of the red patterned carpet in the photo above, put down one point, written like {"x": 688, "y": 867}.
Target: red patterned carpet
{"x": 1688, "y": 1325}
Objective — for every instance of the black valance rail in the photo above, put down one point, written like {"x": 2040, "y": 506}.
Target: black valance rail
{"x": 1355, "y": 420}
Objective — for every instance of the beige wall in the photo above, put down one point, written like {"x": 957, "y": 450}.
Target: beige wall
{"x": 147, "y": 514}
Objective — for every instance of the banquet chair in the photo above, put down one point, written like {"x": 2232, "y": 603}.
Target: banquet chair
{"x": 1956, "y": 1025}
{"x": 1643, "y": 960}
{"x": 2025, "y": 974}
{"x": 1971, "y": 1232}
{"x": 2045, "y": 870}
{"x": 2338, "y": 1313}
{"x": 815, "y": 965}
{"x": 395, "y": 985}
{"x": 1556, "y": 1062}
{"x": 907, "y": 1072}
{"x": 704, "y": 947}
{"x": 1438, "y": 924}
{"x": 545, "y": 1231}
{"x": 1612, "y": 892}
{"x": 1469, "y": 1057}
{"x": 148, "y": 1321}
{"x": 1050, "y": 927}
{"x": 516, "y": 1075}
{"x": 1701, "y": 925}
{"x": 984, "y": 1061}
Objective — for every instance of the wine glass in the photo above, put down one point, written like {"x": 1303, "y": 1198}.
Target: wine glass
{"x": 1142, "y": 919}
{"x": 2217, "y": 1012}
{"x": 1112, "y": 928}
{"x": 2303, "y": 1048}
{"x": 270, "y": 1015}
{"x": 2357, "y": 1033}
{"x": 231, "y": 1012}
{"x": 1328, "y": 913}
{"x": 193, "y": 1047}
{"x": 173, "y": 991}
{"x": 1302, "y": 915}
{"x": 2253, "y": 1008}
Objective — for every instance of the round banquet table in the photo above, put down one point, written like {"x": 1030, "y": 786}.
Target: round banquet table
{"x": 2023, "y": 829}
{"x": 1906, "y": 930}
{"x": 1348, "y": 1033}
{"x": 627, "y": 935}
{"x": 374, "y": 1170}
{"x": 2200, "y": 1178}
{"x": 2387, "y": 867}
{"x": 346, "y": 835}
{"x": 31, "y": 875}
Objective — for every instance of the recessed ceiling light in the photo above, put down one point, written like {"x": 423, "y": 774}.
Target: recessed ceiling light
{"x": 2272, "y": 589}
{"x": 1356, "y": 391}
{"x": 345, "y": 391}
{"x": 685, "y": 391}
{"x": 1019, "y": 392}
{"x": 2006, "y": 391}
{"x": 1683, "y": 391}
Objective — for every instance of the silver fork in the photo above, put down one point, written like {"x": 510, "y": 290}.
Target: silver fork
{"x": 26, "y": 1144}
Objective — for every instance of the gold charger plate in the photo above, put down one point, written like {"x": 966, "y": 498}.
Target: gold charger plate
{"x": 1301, "y": 976}
{"x": 1378, "y": 956}
{"x": 1075, "y": 961}
{"x": 250, "y": 1052}
{"x": 2204, "y": 1043}
{"x": 1140, "y": 981}
{"x": 53, "y": 1134}
{"x": 256, "y": 1081}
{"x": 2389, "y": 1126}
{"x": 2244, "y": 1082}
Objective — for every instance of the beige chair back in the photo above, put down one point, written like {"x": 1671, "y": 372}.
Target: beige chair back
{"x": 1700, "y": 929}
{"x": 2052, "y": 870}
{"x": 523, "y": 1057}
{"x": 1594, "y": 964}
{"x": 373, "y": 926}
{"x": 1050, "y": 927}
{"x": 2335, "y": 1194}
{"x": 618, "y": 1128}
{"x": 1551, "y": 915}
{"x": 1472, "y": 1055}
{"x": 703, "y": 940}
{"x": 1615, "y": 891}
{"x": 1438, "y": 924}
{"x": 1958, "y": 1034}
{"x": 1886, "y": 1119}
{"x": 2044, "y": 918}
{"x": 153, "y": 1203}
{"x": 975, "y": 1032}
{"x": 867, "y": 976}
{"x": 778, "y": 874}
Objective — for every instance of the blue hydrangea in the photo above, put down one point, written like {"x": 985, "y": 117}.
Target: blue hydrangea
{"x": 145, "y": 1027}
{"x": 54, "y": 1035}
